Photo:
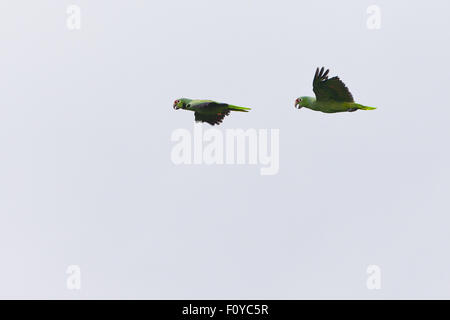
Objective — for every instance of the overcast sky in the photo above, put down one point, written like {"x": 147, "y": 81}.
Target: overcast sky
{"x": 86, "y": 175}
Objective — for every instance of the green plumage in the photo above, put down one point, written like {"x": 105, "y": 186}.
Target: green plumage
{"x": 208, "y": 111}
{"x": 332, "y": 96}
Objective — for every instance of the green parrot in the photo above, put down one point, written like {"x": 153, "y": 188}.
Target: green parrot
{"x": 331, "y": 96}
{"x": 207, "y": 110}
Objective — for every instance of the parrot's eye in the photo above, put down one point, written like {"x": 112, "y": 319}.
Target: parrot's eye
{"x": 298, "y": 100}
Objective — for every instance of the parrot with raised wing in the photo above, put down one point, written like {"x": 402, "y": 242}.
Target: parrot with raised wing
{"x": 207, "y": 110}
{"x": 332, "y": 96}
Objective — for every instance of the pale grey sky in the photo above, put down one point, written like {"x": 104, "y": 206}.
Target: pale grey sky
{"x": 86, "y": 177}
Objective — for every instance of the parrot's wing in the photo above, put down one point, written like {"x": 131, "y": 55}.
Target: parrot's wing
{"x": 201, "y": 103}
{"x": 209, "y": 111}
{"x": 211, "y": 118}
{"x": 207, "y": 106}
{"x": 330, "y": 89}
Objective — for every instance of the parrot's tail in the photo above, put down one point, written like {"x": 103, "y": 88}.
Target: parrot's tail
{"x": 361, "y": 107}
{"x": 236, "y": 108}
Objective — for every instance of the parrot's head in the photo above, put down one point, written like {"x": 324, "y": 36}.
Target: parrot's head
{"x": 299, "y": 102}
{"x": 180, "y": 104}
{"x": 302, "y": 102}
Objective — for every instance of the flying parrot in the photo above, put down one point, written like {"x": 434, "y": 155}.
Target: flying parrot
{"x": 331, "y": 96}
{"x": 207, "y": 110}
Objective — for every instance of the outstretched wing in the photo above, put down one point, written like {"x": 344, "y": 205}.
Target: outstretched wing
{"x": 211, "y": 118}
{"x": 330, "y": 89}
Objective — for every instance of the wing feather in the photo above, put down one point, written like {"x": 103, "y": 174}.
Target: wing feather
{"x": 211, "y": 118}
{"x": 330, "y": 89}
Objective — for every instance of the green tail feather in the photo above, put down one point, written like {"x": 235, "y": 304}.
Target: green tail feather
{"x": 361, "y": 107}
{"x": 236, "y": 108}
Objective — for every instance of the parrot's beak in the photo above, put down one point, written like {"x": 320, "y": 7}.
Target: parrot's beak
{"x": 175, "y": 107}
{"x": 297, "y": 104}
